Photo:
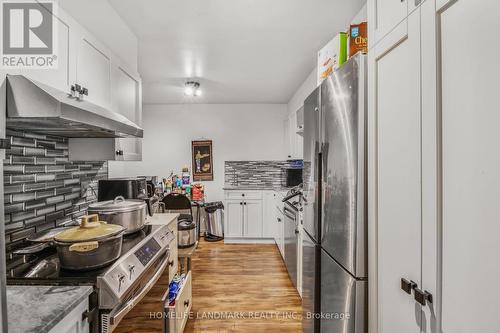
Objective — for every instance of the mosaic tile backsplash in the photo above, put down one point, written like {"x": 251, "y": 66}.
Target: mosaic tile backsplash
{"x": 42, "y": 188}
{"x": 262, "y": 174}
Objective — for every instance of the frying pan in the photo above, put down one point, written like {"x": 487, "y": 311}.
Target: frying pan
{"x": 42, "y": 240}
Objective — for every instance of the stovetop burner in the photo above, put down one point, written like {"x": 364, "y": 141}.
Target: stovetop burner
{"x": 45, "y": 266}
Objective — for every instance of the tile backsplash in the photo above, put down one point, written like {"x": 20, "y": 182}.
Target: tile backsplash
{"x": 42, "y": 188}
{"x": 265, "y": 174}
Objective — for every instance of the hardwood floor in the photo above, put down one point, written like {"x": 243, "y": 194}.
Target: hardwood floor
{"x": 246, "y": 284}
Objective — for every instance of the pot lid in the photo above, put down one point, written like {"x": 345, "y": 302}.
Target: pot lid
{"x": 90, "y": 229}
{"x": 185, "y": 225}
{"x": 120, "y": 204}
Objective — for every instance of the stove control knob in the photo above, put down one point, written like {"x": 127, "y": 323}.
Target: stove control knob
{"x": 121, "y": 278}
{"x": 131, "y": 269}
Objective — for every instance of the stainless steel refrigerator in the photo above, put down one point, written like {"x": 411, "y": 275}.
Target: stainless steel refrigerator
{"x": 3, "y": 273}
{"x": 334, "y": 281}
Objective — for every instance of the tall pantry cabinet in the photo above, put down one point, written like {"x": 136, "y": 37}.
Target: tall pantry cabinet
{"x": 434, "y": 167}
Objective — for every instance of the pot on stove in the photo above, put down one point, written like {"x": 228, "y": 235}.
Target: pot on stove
{"x": 129, "y": 213}
{"x": 91, "y": 245}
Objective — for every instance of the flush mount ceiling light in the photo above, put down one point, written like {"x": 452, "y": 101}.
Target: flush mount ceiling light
{"x": 192, "y": 88}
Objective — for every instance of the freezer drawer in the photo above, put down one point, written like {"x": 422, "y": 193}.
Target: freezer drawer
{"x": 310, "y": 284}
{"x": 343, "y": 299}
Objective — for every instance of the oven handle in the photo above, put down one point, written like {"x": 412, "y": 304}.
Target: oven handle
{"x": 117, "y": 315}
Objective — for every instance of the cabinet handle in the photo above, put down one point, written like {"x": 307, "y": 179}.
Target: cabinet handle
{"x": 119, "y": 152}
{"x": 422, "y": 297}
{"x": 170, "y": 263}
{"x": 186, "y": 302}
{"x": 243, "y": 194}
{"x": 296, "y": 231}
{"x": 241, "y": 203}
{"x": 408, "y": 286}
{"x": 245, "y": 203}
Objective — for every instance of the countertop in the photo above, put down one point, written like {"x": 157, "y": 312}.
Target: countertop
{"x": 162, "y": 218}
{"x": 254, "y": 188}
{"x": 38, "y": 309}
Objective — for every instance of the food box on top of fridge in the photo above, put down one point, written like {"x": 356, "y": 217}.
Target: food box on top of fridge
{"x": 358, "y": 38}
{"x": 332, "y": 56}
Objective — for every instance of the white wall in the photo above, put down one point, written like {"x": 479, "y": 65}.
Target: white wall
{"x": 238, "y": 132}
{"x": 102, "y": 21}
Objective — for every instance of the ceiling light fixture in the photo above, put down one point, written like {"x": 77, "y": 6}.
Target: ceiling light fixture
{"x": 192, "y": 88}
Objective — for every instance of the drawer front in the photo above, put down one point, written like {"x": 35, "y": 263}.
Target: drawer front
{"x": 243, "y": 195}
{"x": 178, "y": 314}
{"x": 173, "y": 260}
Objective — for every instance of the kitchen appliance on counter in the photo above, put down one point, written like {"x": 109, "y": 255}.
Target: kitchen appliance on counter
{"x": 128, "y": 188}
{"x": 186, "y": 234}
{"x": 291, "y": 211}
{"x": 117, "y": 287}
{"x": 291, "y": 176}
{"x": 334, "y": 249}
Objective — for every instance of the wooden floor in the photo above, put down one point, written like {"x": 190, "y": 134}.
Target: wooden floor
{"x": 248, "y": 284}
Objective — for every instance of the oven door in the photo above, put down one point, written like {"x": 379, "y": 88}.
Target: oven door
{"x": 291, "y": 235}
{"x": 110, "y": 320}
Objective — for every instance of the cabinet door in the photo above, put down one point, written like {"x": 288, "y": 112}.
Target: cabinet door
{"x": 63, "y": 76}
{"x": 93, "y": 71}
{"x": 394, "y": 99}
{"x": 126, "y": 92}
{"x": 385, "y": 15}
{"x": 269, "y": 215}
{"x": 470, "y": 166}
{"x": 252, "y": 218}
{"x": 234, "y": 218}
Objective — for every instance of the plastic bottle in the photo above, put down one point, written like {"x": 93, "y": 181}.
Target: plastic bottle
{"x": 186, "y": 177}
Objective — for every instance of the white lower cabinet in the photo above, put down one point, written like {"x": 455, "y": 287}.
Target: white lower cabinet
{"x": 251, "y": 216}
{"x": 74, "y": 322}
{"x": 243, "y": 218}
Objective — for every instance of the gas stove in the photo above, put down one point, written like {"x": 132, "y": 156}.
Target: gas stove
{"x": 117, "y": 288}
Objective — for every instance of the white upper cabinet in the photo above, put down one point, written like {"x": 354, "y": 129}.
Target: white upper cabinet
{"x": 64, "y": 75}
{"x": 93, "y": 71}
{"x": 383, "y": 16}
{"x": 126, "y": 100}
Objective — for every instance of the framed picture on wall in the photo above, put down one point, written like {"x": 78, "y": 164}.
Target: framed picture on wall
{"x": 202, "y": 160}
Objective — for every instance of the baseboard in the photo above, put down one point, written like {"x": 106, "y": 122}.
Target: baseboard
{"x": 249, "y": 240}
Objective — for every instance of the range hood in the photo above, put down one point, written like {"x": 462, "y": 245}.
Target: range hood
{"x": 39, "y": 108}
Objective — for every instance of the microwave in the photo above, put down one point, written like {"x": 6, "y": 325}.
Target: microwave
{"x": 291, "y": 177}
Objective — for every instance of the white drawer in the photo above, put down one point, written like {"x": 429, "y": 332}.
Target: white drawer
{"x": 178, "y": 314}
{"x": 243, "y": 194}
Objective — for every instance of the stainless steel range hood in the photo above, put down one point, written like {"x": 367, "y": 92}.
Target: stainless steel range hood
{"x": 39, "y": 108}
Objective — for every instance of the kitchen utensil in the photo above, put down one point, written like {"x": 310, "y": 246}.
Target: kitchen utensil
{"x": 129, "y": 213}
{"x": 41, "y": 240}
{"x": 186, "y": 235}
{"x": 91, "y": 245}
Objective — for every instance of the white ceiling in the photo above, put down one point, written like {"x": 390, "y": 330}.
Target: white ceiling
{"x": 241, "y": 51}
